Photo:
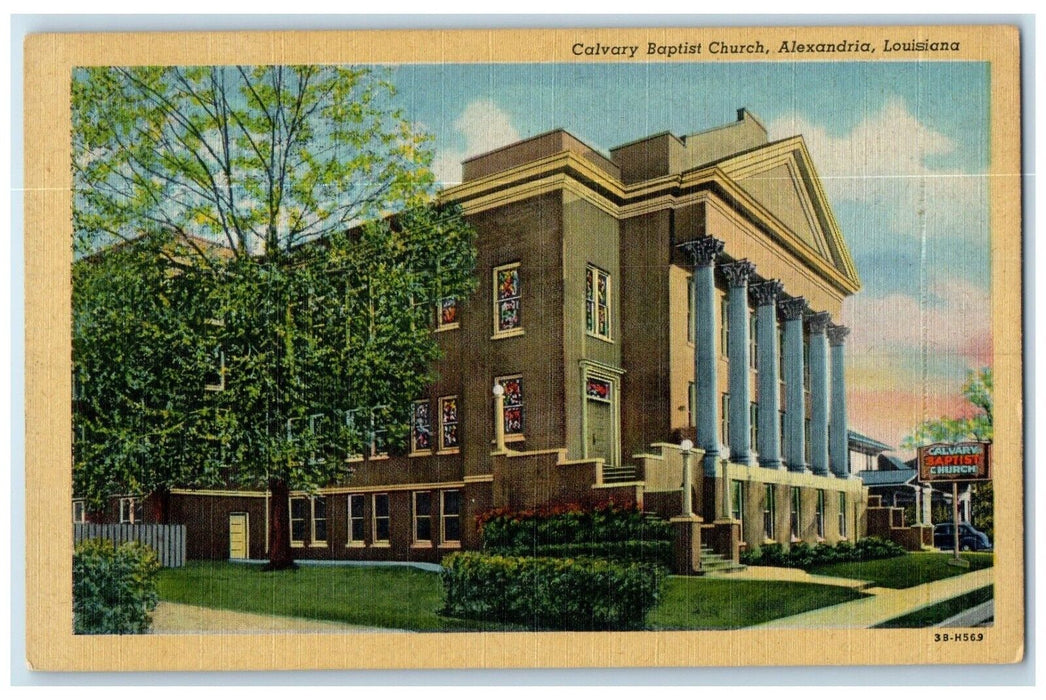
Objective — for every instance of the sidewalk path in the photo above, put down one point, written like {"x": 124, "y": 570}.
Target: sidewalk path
{"x": 885, "y": 605}
{"x": 176, "y": 618}
{"x": 777, "y": 573}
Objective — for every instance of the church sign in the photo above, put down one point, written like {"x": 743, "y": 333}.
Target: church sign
{"x": 962, "y": 461}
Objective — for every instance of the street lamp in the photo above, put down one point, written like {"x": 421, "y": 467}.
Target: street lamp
{"x": 499, "y": 417}
{"x": 686, "y": 446}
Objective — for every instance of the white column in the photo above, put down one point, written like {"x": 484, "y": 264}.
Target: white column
{"x": 737, "y": 276}
{"x": 839, "y": 426}
{"x": 769, "y": 434}
{"x": 703, "y": 252}
{"x": 795, "y": 401}
{"x": 819, "y": 393}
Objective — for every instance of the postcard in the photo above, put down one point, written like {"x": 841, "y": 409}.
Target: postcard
{"x": 524, "y": 348}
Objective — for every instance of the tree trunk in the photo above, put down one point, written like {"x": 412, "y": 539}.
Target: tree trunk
{"x": 160, "y": 506}
{"x": 280, "y": 555}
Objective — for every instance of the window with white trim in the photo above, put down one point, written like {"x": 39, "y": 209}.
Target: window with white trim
{"x": 769, "y": 512}
{"x": 820, "y": 513}
{"x": 508, "y": 300}
{"x": 691, "y": 327}
{"x": 214, "y": 378}
{"x": 724, "y": 419}
{"x": 753, "y": 424}
{"x": 421, "y": 428}
{"x": 308, "y": 521}
{"x": 447, "y": 314}
{"x": 797, "y": 513}
{"x": 450, "y": 516}
{"x": 422, "y": 512}
{"x": 842, "y": 514}
{"x": 737, "y": 502}
{"x": 315, "y": 422}
{"x": 597, "y": 302}
{"x": 449, "y": 424}
{"x": 130, "y": 510}
{"x": 513, "y": 415}
{"x": 378, "y": 432}
{"x": 357, "y": 519}
{"x": 691, "y": 401}
{"x": 79, "y": 511}
{"x": 381, "y": 518}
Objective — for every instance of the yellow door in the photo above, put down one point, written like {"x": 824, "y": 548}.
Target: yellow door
{"x": 238, "y": 536}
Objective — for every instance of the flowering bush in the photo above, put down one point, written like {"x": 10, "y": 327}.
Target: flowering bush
{"x": 114, "y": 588}
{"x": 550, "y": 593}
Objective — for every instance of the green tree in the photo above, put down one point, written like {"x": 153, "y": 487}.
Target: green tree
{"x": 978, "y": 390}
{"x": 142, "y": 422}
{"x": 297, "y": 203}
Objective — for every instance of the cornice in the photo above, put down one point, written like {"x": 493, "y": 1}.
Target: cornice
{"x": 569, "y": 172}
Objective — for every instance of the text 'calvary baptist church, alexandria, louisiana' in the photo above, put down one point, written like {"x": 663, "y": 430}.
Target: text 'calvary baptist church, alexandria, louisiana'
{"x": 685, "y": 290}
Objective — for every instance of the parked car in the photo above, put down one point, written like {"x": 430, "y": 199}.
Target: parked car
{"x": 970, "y": 539}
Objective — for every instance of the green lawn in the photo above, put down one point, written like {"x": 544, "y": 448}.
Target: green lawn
{"x": 408, "y": 598}
{"x": 708, "y": 603}
{"x": 905, "y": 571}
{"x": 933, "y": 614}
{"x": 398, "y": 597}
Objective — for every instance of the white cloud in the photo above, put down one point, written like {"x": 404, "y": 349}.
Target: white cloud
{"x": 485, "y": 127}
{"x": 883, "y": 160}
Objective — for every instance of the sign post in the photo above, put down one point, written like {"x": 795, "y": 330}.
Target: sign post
{"x": 959, "y": 462}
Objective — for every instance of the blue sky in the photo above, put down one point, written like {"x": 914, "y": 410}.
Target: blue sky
{"x": 902, "y": 149}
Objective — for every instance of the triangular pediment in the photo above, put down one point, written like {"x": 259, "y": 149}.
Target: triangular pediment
{"x": 781, "y": 177}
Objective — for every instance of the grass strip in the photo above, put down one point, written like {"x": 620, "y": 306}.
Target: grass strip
{"x": 721, "y": 604}
{"x": 939, "y": 612}
{"x": 904, "y": 572}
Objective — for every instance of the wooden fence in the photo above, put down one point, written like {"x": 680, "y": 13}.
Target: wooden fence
{"x": 168, "y": 541}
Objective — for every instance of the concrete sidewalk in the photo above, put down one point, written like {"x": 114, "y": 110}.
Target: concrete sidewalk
{"x": 777, "y": 573}
{"x": 885, "y": 605}
{"x": 176, "y": 618}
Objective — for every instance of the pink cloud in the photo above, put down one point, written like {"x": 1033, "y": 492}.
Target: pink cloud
{"x": 952, "y": 319}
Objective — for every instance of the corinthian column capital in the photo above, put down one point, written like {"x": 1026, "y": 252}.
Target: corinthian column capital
{"x": 738, "y": 273}
{"x": 792, "y": 309}
{"x": 819, "y": 322}
{"x": 703, "y": 250}
{"x": 765, "y": 293}
{"x": 837, "y": 334}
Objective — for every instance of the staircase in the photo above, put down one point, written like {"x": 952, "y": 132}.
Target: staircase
{"x": 715, "y": 563}
{"x": 619, "y": 475}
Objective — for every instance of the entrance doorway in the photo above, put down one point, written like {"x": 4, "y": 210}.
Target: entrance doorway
{"x": 238, "y": 536}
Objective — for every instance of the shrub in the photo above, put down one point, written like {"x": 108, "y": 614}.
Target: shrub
{"x": 655, "y": 551}
{"x": 877, "y": 548}
{"x": 526, "y": 532}
{"x": 803, "y": 556}
{"x": 114, "y": 588}
{"x": 550, "y": 593}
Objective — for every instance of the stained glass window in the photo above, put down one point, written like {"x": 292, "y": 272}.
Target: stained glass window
{"x": 507, "y": 302}
{"x": 447, "y": 313}
{"x": 421, "y": 431}
{"x": 449, "y": 422}
{"x": 597, "y": 302}
{"x": 513, "y": 415}
{"x": 597, "y": 389}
